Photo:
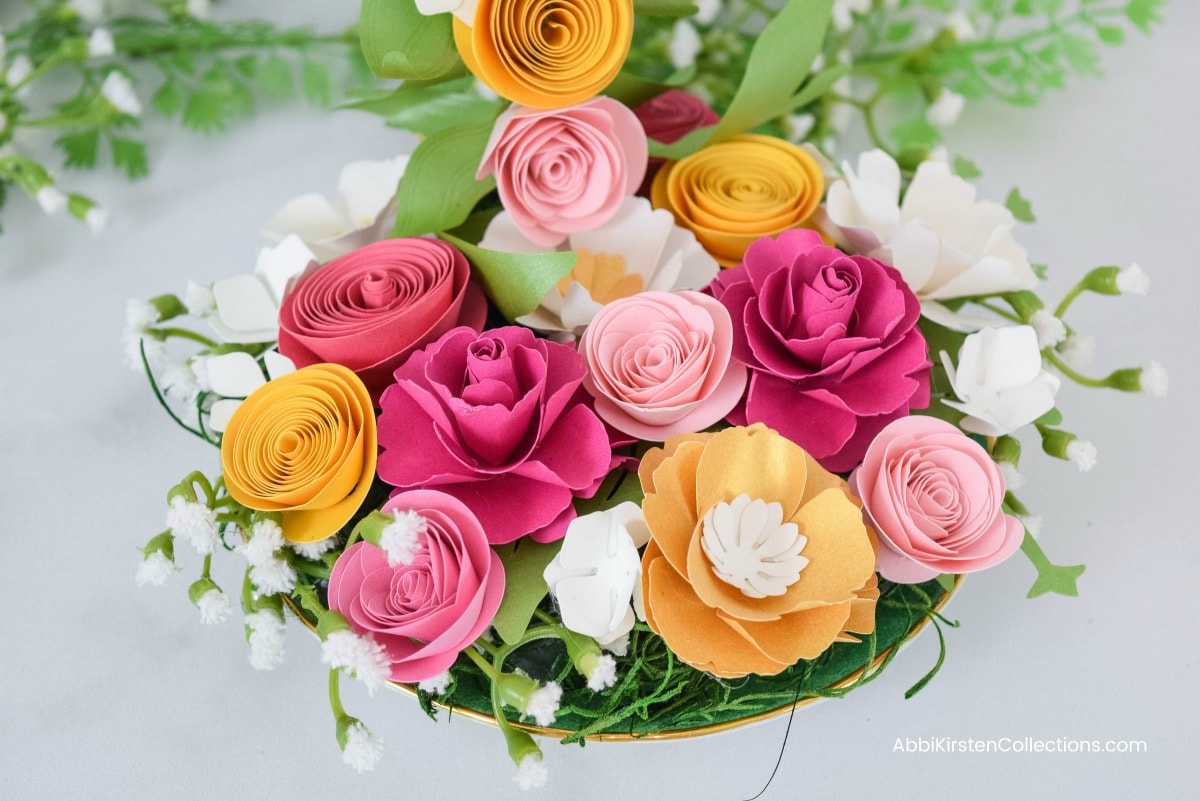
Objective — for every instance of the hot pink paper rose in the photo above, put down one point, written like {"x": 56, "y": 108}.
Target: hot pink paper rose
{"x": 933, "y": 495}
{"x": 668, "y": 118}
{"x": 565, "y": 170}
{"x": 425, "y": 612}
{"x": 831, "y": 342}
{"x": 659, "y": 363}
{"x": 498, "y": 420}
{"x": 368, "y": 310}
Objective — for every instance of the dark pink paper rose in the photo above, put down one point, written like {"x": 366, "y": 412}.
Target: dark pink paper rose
{"x": 831, "y": 342}
{"x": 498, "y": 420}
{"x": 668, "y": 118}
{"x": 368, "y": 310}
{"x": 934, "y": 496}
{"x": 425, "y": 612}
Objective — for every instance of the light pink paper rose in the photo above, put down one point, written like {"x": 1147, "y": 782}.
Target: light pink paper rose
{"x": 423, "y": 613}
{"x": 565, "y": 170}
{"x": 933, "y": 495}
{"x": 659, "y": 364}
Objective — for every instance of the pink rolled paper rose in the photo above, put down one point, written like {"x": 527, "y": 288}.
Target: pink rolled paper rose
{"x": 831, "y": 342}
{"x": 934, "y": 496}
{"x": 368, "y": 310}
{"x": 565, "y": 170}
{"x": 660, "y": 363}
{"x": 668, "y": 118}
{"x": 425, "y": 612}
{"x": 498, "y": 420}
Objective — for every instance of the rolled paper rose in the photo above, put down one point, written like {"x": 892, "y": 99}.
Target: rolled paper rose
{"x": 668, "y": 118}
{"x": 757, "y": 558}
{"x": 564, "y": 171}
{"x": 426, "y": 611}
{"x": 740, "y": 190}
{"x": 934, "y": 496}
{"x": 304, "y": 445}
{"x": 831, "y": 342}
{"x": 546, "y": 53}
{"x": 497, "y": 421}
{"x": 373, "y": 307}
{"x": 659, "y": 364}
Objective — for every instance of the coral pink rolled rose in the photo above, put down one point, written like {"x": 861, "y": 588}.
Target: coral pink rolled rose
{"x": 933, "y": 495}
{"x": 499, "y": 421}
{"x": 831, "y": 342}
{"x": 565, "y": 170}
{"x": 660, "y": 363}
{"x": 368, "y": 310}
{"x": 425, "y": 612}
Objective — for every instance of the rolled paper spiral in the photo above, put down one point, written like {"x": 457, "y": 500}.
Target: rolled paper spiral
{"x": 546, "y": 53}
{"x": 740, "y": 190}
{"x": 303, "y": 445}
{"x": 371, "y": 308}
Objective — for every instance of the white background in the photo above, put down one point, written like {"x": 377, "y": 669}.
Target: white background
{"x": 111, "y": 692}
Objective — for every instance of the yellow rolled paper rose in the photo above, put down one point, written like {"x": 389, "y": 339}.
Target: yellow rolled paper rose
{"x": 740, "y": 190}
{"x": 303, "y": 445}
{"x": 546, "y": 53}
{"x": 758, "y": 557}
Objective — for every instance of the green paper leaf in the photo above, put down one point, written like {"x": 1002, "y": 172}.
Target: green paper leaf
{"x": 1051, "y": 418}
{"x": 1019, "y": 206}
{"x": 130, "y": 155}
{"x": 817, "y": 86}
{"x": 618, "y": 487}
{"x": 79, "y": 149}
{"x": 681, "y": 148}
{"x": 439, "y": 190}
{"x": 1059, "y": 579}
{"x": 633, "y": 90}
{"x": 966, "y": 169}
{"x": 168, "y": 99}
{"x": 946, "y": 580}
{"x": 400, "y": 42}
{"x": 426, "y": 107}
{"x": 524, "y": 588}
{"x": 205, "y": 111}
{"x": 515, "y": 282}
{"x": 782, "y": 56}
{"x": 664, "y": 8}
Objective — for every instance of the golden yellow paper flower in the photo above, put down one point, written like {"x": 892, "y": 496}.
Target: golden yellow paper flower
{"x": 546, "y": 53}
{"x": 740, "y": 190}
{"x": 303, "y": 444}
{"x": 758, "y": 557}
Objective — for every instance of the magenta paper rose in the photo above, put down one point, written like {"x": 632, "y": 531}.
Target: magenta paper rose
{"x": 565, "y": 170}
{"x": 831, "y": 342}
{"x": 424, "y": 612}
{"x": 497, "y": 420}
{"x": 933, "y": 495}
{"x": 368, "y": 310}
{"x": 659, "y": 363}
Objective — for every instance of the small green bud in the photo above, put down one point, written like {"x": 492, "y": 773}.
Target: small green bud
{"x": 370, "y": 528}
{"x": 201, "y": 587}
{"x": 1055, "y": 442}
{"x": 520, "y": 745}
{"x": 1126, "y": 380}
{"x": 164, "y": 542}
{"x": 1024, "y": 303}
{"x": 1102, "y": 280}
{"x": 911, "y": 157}
{"x": 331, "y": 621}
{"x": 1007, "y": 450}
{"x": 515, "y": 689}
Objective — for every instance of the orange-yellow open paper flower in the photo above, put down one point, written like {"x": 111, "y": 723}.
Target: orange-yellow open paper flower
{"x": 546, "y": 53}
{"x": 734, "y": 192}
{"x": 304, "y": 445}
{"x": 758, "y": 557}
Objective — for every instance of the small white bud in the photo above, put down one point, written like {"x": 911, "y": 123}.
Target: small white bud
{"x": 100, "y": 44}
{"x": 1133, "y": 281}
{"x": 1083, "y": 454}
{"x": 1050, "y": 329}
{"x": 531, "y": 773}
{"x": 946, "y": 109}
{"x": 118, "y": 91}
{"x": 51, "y": 200}
{"x": 1154, "y": 379}
{"x": 363, "y": 750}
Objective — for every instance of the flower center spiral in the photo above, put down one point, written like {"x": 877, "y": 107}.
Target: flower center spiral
{"x": 751, "y": 548}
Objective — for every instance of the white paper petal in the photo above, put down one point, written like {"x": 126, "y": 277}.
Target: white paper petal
{"x": 309, "y": 216}
{"x": 222, "y": 411}
{"x": 277, "y": 364}
{"x": 502, "y": 234}
{"x": 578, "y": 308}
{"x": 234, "y": 375}
{"x": 280, "y": 264}
{"x": 245, "y": 310}
{"x": 365, "y": 188}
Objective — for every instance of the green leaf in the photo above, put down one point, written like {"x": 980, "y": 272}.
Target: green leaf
{"x": 917, "y": 132}
{"x": 1060, "y": 579}
{"x": 515, "y": 282}
{"x": 782, "y": 56}
{"x": 946, "y": 580}
{"x": 683, "y": 147}
{"x": 1110, "y": 34}
{"x": 130, "y": 155}
{"x": 79, "y": 149}
{"x": 1144, "y": 13}
{"x": 965, "y": 168}
{"x": 633, "y": 90}
{"x": 205, "y": 111}
{"x": 817, "y": 86}
{"x": 247, "y": 65}
{"x": 618, "y": 487}
{"x": 1051, "y": 418}
{"x": 1041, "y": 271}
{"x": 524, "y": 587}
{"x": 439, "y": 188}
{"x": 1019, "y": 206}
{"x": 168, "y": 99}
{"x": 318, "y": 86}
{"x": 899, "y": 31}
{"x": 664, "y": 8}
{"x": 276, "y": 78}
{"x": 426, "y": 108}
{"x": 400, "y": 42}
{"x": 1082, "y": 55}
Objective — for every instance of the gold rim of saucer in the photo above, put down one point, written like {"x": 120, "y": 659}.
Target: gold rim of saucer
{"x": 673, "y": 734}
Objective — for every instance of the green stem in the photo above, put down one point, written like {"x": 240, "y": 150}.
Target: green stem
{"x": 335, "y": 696}
{"x": 205, "y": 571}
{"x": 998, "y": 311}
{"x": 1069, "y": 298}
{"x": 492, "y": 673}
{"x": 162, "y": 401}
{"x": 182, "y": 333}
{"x": 1078, "y": 378}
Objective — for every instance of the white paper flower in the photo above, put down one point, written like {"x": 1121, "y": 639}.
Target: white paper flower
{"x": 118, "y": 91}
{"x": 365, "y": 192}
{"x": 945, "y": 243}
{"x": 1000, "y": 380}
{"x": 640, "y": 249}
{"x": 100, "y": 44}
{"x": 751, "y": 548}
{"x": 247, "y": 306}
{"x": 685, "y": 45}
{"x": 234, "y": 376}
{"x": 597, "y": 573}
{"x": 463, "y": 9}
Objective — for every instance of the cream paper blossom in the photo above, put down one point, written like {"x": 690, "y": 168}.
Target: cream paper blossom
{"x": 640, "y": 249}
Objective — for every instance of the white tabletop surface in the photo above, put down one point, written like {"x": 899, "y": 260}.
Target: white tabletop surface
{"x": 108, "y": 691}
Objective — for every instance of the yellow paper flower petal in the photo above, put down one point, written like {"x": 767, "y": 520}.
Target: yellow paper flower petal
{"x": 740, "y": 190}
{"x": 546, "y": 53}
{"x": 303, "y": 445}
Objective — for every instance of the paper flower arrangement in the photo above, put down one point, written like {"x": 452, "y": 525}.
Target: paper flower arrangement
{"x": 559, "y": 455}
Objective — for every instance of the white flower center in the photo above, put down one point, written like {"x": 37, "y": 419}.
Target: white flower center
{"x": 751, "y": 547}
